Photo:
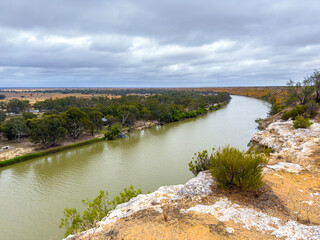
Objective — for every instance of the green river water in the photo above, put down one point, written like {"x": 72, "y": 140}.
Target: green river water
{"x": 33, "y": 194}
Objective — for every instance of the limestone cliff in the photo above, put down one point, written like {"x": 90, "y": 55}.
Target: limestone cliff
{"x": 287, "y": 207}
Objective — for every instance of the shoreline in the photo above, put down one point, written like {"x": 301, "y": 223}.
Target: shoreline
{"x": 288, "y": 206}
{"x": 35, "y": 153}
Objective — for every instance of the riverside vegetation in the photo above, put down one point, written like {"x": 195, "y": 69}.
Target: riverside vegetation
{"x": 95, "y": 210}
{"x": 303, "y": 96}
{"x": 72, "y": 117}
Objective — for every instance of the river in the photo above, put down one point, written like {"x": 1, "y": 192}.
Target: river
{"x": 33, "y": 194}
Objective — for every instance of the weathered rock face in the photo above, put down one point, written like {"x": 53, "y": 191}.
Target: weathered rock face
{"x": 286, "y": 142}
{"x": 233, "y": 220}
{"x": 196, "y": 187}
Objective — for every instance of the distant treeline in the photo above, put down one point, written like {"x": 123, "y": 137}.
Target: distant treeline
{"x": 110, "y": 91}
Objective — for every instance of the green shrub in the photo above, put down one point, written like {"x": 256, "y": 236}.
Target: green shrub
{"x": 275, "y": 108}
{"x": 200, "y": 162}
{"x": 95, "y": 210}
{"x": 113, "y": 133}
{"x": 312, "y": 109}
{"x": 231, "y": 167}
{"x": 294, "y": 112}
{"x": 301, "y": 122}
{"x": 286, "y": 115}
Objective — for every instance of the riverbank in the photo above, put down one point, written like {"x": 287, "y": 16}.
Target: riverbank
{"x": 287, "y": 207}
{"x": 25, "y": 150}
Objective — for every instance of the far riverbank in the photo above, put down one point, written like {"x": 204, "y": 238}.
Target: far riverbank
{"x": 25, "y": 150}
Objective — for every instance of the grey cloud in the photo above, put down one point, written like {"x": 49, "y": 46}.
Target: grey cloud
{"x": 157, "y": 43}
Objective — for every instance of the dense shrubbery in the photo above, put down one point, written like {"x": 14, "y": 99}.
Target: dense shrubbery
{"x": 113, "y": 133}
{"x": 200, "y": 162}
{"x": 275, "y": 108}
{"x": 231, "y": 167}
{"x": 305, "y": 93}
{"x": 296, "y": 111}
{"x": 95, "y": 210}
{"x": 301, "y": 122}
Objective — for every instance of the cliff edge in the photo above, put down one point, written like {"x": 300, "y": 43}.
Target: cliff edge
{"x": 287, "y": 207}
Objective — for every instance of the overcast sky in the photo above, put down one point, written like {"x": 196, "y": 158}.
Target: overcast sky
{"x": 152, "y": 43}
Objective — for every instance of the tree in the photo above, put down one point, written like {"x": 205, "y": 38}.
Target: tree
{"x": 77, "y": 122}
{"x": 14, "y": 128}
{"x": 300, "y": 91}
{"x": 145, "y": 113}
{"x": 2, "y": 96}
{"x": 17, "y": 106}
{"x": 315, "y": 80}
{"x": 28, "y": 115}
{"x": 3, "y": 116}
{"x": 113, "y": 133}
{"x": 48, "y": 130}
{"x": 96, "y": 118}
{"x": 127, "y": 113}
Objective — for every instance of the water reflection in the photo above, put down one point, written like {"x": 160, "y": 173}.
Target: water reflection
{"x": 34, "y": 193}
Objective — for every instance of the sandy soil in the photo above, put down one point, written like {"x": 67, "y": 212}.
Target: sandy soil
{"x": 24, "y": 146}
{"x": 37, "y": 96}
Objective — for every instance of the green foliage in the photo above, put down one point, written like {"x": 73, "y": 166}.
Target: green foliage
{"x": 314, "y": 80}
{"x": 301, "y": 122}
{"x": 14, "y": 128}
{"x": 96, "y": 118}
{"x": 3, "y": 116}
{"x": 301, "y": 91}
{"x": 312, "y": 109}
{"x": 47, "y": 152}
{"x": 77, "y": 122}
{"x": 200, "y": 162}
{"x": 293, "y": 113}
{"x": 128, "y": 113}
{"x": 48, "y": 130}
{"x": 95, "y": 210}
{"x": 28, "y": 115}
{"x": 113, "y": 133}
{"x": 275, "y": 108}
{"x": 231, "y": 167}
{"x": 2, "y": 96}
{"x": 17, "y": 106}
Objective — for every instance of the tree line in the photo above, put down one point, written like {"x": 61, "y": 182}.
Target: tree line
{"x": 304, "y": 93}
{"x": 72, "y": 116}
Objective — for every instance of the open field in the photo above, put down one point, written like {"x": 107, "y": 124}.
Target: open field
{"x": 279, "y": 93}
{"x": 33, "y": 94}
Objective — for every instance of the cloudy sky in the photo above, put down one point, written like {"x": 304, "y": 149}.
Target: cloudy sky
{"x": 152, "y": 43}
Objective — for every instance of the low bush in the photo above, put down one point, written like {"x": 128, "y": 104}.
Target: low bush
{"x": 275, "y": 108}
{"x": 294, "y": 112}
{"x": 113, "y": 133}
{"x": 231, "y": 167}
{"x": 74, "y": 222}
{"x": 200, "y": 162}
{"x": 301, "y": 122}
{"x": 312, "y": 109}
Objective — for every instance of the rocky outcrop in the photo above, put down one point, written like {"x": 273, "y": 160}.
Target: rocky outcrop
{"x": 194, "y": 188}
{"x": 287, "y": 207}
{"x": 286, "y": 142}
